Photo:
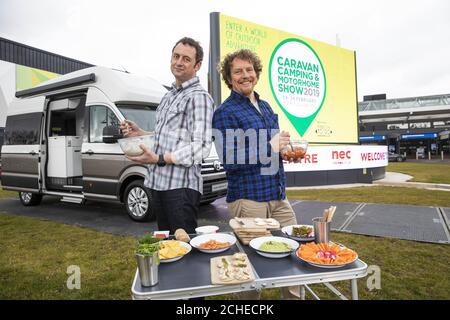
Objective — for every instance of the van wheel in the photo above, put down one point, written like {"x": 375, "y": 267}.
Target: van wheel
{"x": 30, "y": 199}
{"x": 399, "y": 159}
{"x": 138, "y": 202}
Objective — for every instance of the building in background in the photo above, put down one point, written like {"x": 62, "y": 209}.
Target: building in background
{"x": 415, "y": 126}
{"x": 23, "y": 67}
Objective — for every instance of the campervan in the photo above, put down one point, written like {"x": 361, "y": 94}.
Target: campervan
{"x": 61, "y": 140}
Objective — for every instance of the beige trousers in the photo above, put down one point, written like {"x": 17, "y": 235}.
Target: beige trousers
{"x": 279, "y": 210}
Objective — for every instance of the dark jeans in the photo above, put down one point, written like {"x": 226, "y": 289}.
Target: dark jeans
{"x": 176, "y": 209}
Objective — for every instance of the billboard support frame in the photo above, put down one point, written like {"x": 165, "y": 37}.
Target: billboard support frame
{"x": 214, "y": 87}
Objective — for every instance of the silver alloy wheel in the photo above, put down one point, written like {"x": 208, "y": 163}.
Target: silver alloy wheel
{"x": 26, "y": 196}
{"x": 138, "y": 202}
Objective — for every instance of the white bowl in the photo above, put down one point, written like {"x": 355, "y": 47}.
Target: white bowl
{"x": 131, "y": 146}
{"x": 220, "y": 237}
{"x": 288, "y": 231}
{"x": 206, "y": 229}
{"x": 294, "y": 151}
{"x": 183, "y": 244}
{"x": 257, "y": 242}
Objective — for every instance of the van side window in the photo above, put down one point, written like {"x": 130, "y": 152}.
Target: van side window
{"x": 23, "y": 129}
{"x": 100, "y": 117}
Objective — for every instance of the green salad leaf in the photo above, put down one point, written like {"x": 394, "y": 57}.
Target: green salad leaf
{"x": 147, "y": 249}
{"x": 147, "y": 245}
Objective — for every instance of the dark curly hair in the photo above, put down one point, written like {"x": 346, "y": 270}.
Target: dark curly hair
{"x": 243, "y": 54}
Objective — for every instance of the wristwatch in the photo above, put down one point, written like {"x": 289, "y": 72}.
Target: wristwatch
{"x": 161, "y": 162}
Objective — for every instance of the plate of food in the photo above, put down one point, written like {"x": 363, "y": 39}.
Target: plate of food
{"x": 274, "y": 247}
{"x": 173, "y": 250}
{"x": 161, "y": 234}
{"x": 231, "y": 269}
{"x": 326, "y": 255}
{"x": 213, "y": 242}
{"x": 299, "y": 232}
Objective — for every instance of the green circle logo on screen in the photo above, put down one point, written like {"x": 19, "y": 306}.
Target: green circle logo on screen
{"x": 297, "y": 80}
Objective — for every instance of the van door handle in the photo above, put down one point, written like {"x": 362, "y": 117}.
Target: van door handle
{"x": 90, "y": 152}
{"x": 32, "y": 152}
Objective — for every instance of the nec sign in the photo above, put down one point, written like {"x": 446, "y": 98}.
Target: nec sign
{"x": 341, "y": 155}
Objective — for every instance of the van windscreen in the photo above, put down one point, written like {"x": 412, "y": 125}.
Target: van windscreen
{"x": 143, "y": 116}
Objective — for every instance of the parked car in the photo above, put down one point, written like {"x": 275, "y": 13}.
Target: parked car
{"x": 395, "y": 157}
{"x": 58, "y": 141}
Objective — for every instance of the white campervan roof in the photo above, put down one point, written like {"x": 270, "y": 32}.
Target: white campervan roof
{"x": 118, "y": 86}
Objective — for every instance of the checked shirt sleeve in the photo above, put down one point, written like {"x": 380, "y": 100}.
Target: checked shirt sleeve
{"x": 194, "y": 141}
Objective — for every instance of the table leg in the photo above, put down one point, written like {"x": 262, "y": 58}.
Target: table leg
{"x": 354, "y": 286}
{"x": 302, "y": 292}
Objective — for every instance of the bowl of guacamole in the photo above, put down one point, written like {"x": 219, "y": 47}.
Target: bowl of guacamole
{"x": 274, "y": 247}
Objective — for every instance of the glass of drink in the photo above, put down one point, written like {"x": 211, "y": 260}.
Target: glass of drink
{"x": 295, "y": 150}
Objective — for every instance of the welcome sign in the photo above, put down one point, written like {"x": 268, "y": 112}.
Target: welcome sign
{"x": 311, "y": 85}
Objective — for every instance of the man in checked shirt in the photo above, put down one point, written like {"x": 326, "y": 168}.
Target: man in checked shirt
{"x": 246, "y": 125}
{"x": 182, "y": 140}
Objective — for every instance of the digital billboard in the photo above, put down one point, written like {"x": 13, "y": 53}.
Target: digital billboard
{"x": 27, "y": 77}
{"x": 311, "y": 85}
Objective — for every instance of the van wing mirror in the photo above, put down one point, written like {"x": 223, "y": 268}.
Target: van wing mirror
{"x": 111, "y": 134}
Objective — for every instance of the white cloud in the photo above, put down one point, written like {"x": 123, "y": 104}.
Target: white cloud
{"x": 402, "y": 47}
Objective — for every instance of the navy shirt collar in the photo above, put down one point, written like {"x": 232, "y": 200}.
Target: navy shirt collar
{"x": 240, "y": 96}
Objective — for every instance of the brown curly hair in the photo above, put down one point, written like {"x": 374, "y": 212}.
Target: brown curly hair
{"x": 243, "y": 54}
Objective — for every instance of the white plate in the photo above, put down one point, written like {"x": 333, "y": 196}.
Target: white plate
{"x": 257, "y": 242}
{"x": 288, "y": 231}
{"x": 220, "y": 237}
{"x": 183, "y": 244}
{"x": 206, "y": 229}
{"x": 326, "y": 266}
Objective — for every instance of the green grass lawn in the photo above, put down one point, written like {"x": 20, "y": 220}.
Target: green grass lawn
{"x": 8, "y": 194}
{"x": 35, "y": 254}
{"x": 423, "y": 172}
{"x": 381, "y": 194}
{"x": 409, "y": 269}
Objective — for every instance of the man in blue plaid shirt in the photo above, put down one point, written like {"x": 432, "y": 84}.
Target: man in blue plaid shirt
{"x": 248, "y": 140}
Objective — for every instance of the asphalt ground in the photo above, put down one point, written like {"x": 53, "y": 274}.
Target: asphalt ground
{"x": 427, "y": 224}
{"x": 109, "y": 217}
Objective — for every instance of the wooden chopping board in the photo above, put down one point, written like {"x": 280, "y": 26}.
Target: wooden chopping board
{"x": 215, "y": 275}
{"x": 249, "y": 223}
{"x": 246, "y": 234}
